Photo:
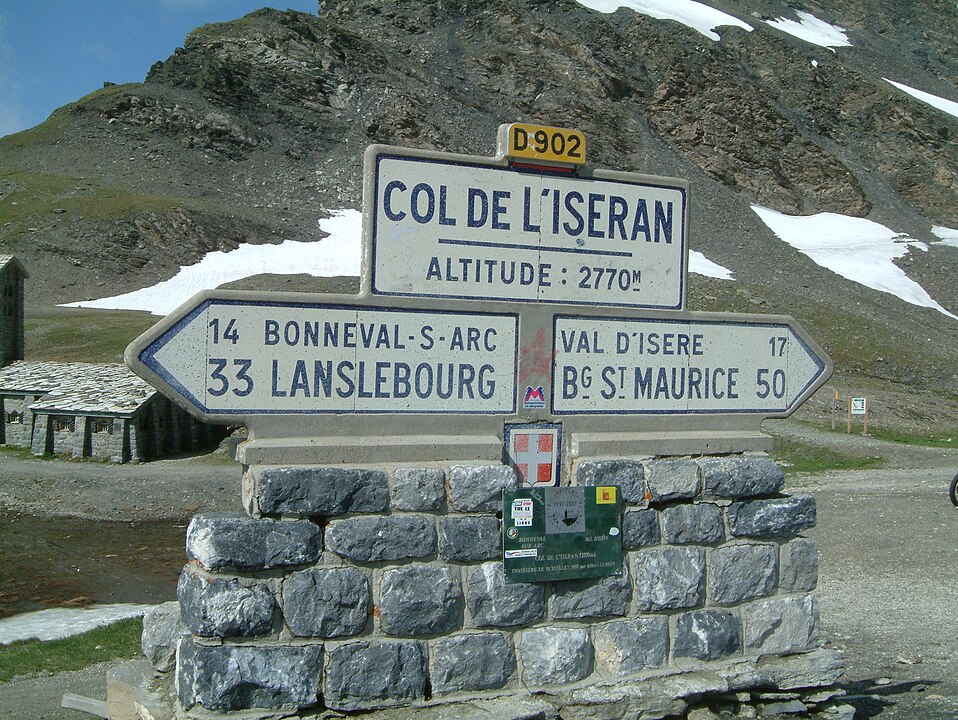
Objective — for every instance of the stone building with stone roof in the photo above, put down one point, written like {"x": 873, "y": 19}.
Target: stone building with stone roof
{"x": 94, "y": 410}
{"x": 12, "y": 275}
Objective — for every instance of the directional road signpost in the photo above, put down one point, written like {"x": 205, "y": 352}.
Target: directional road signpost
{"x": 627, "y": 366}
{"x": 526, "y": 298}
{"x": 234, "y": 357}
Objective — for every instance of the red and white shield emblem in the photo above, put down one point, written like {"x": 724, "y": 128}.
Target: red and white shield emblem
{"x": 534, "y": 452}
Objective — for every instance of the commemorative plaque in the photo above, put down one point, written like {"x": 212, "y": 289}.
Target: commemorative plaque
{"x": 561, "y": 533}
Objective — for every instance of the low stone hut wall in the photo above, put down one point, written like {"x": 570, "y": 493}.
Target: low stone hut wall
{"x": 354, "y": 588}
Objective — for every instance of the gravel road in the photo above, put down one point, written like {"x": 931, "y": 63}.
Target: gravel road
{"x": 888, "y": 586}
{"x": 162, "y": 490}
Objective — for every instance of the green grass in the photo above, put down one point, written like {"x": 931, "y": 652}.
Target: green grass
{"x": 47, "y": 130}
{"x": 36, "y": 195}
{"x": 82, "y": 335}
{"x": 53, "y": 127}
{"x": 797, "y": 457}
{"x": 103, "y": 93}
{"x": 939, "y": 440}
{"x": 29, "y": 657}
{"x": 23, "y": 453}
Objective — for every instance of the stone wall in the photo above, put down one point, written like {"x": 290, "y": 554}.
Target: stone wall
{"x": 11, "y": 314}
{"x": 164, "y": 428}
{"x": 362, "y": 588}
{"x": 20, "y": 432}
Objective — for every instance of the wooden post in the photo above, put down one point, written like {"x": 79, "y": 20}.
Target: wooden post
{"x": 865, "y": 428}
{"x": 834, "y": 408}
{"x": 849, "y": 415}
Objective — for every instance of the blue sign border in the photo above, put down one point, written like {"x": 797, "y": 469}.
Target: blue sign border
{"x": 819, "y": 363}
{"x": 147, "y": 356}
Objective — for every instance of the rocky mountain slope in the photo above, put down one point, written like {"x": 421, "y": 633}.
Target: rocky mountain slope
{"x": 255, "y": 128}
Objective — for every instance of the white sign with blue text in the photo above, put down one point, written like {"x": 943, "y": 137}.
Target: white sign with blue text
{"x": 457, "y": 227}
{"x": 236, "y": 358}
{"x": 629, "y": 366}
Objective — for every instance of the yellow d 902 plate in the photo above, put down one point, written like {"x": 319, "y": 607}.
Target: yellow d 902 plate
{"x": 550, "y": 144}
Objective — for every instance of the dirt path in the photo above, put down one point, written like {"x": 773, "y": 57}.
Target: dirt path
{"x": 888, "y": 583}
{"x": 38, "y": 697}
{"x": 164, "y": 490}
{"x": 896, "y": 455}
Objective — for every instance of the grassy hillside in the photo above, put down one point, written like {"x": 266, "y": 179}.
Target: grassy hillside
{"x": 81, "y": 335}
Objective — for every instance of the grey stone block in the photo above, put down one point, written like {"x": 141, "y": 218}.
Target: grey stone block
{"x": 494, "y": 602}
{"x": 367, "y": 675}
{"x": 419, "y": 600}
{"x": 418, "y": 489}
{"x": 478, "y": 488}
{"x": 741, "y": 476}
{"x": 471, "y": 663}
{"x": 592, "y": 597}
{"x": 629, "y": 475}
{"x": 783, "y": 707}
{"x": 162, "y": 629}
{"x": 374, "y": 539}
{"x": 742, "y": 572}
{"x": 220, "y": 607}
{"x": 231, "y": 677}
{"x": 320, "y": 491}
{"x": 799, "y": 565}
{"x": 673, "y": 479}
{"x": 780, "y": 626}
{"x": 701, "y": 523}
{"x": 841, "y": 712}
{"x": 470, "y": 538}
{"x": 627, "y": 646}
{"x": 817, "y": 668}
{"x": 640, "y": 528}
{"x": 555, "y": 656}
{"x": 669, "y": 577}
{"x": 707, "y": 634}
{"x": 326, "y": 602}
{"x": 221, "y": 540}
{"x": 775, "y": 517}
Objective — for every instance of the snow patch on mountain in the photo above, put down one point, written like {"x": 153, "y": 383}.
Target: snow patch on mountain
{"x": 701, "y": 265}
{"x": 860, "y": 250}
{"x": 948, "y": 236}
{"x": 812, "y": 30}
{"x": 692, "y": 14}
{"x": 57, "y": 623}
{"x": 940, "y": 103}
{"x": 338, "y": 254}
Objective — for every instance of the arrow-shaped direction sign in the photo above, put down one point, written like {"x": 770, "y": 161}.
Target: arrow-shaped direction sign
{"x": 756, "y": 365}
{"x": 230, "y": 358}
{"x": 335, "y": 379}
